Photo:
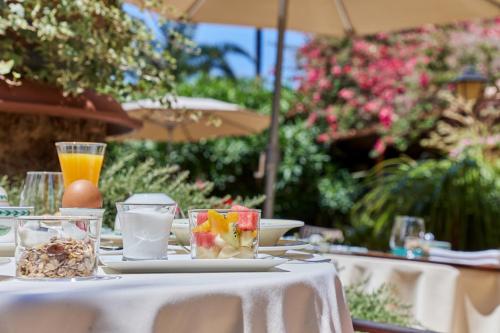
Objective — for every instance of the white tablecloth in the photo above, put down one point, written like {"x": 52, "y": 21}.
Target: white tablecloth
{"x": 297, "y": 297}
{"x": 444, "y": 298}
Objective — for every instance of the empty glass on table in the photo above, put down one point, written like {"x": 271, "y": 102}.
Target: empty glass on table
{"x": 43, "y": 191}
{"x": 406, "y": 236}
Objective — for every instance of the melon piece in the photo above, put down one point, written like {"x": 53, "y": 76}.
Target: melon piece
{"x": 246, "y": 253}
{"x": 232, "y": 236}
{"x": 204, "y": 239}
{"x": 217, "y": 222}
{"x": 201, "y": 218}
{"x": 219, "y": 242}
{"x": 232, "y": 217}
{"x": 207, "y": 253}
{"x": 228, "y": 252}
{"x": 247, "y": 238}
{"x": 247, "y": 219}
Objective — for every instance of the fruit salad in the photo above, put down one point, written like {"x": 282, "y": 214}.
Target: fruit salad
{"x": 223, "y": 234}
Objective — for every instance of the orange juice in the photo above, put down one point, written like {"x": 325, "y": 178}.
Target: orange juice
{"x": 80, "y": 166}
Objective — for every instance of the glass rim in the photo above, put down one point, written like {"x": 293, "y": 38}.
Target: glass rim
{"x": 57, "y": 218}
{"x": 78, "y": 208}
{"x": 224, "y": 210}
{"x": 145, "y": 204}
{"x": 17, "y": 207}
{"x": 415, "y": 218}
{"x": 44, "y": 173}
{"x": 83, "y": 143}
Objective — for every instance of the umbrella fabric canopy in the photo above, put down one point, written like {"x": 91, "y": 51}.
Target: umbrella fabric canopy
{"x": 191, "y": 119}
{"x": 332, "y": 17}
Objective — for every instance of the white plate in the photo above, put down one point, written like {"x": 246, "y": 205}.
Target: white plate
{"x": 283, "y": 246}
{"x": 7, "y": 249}
{"x": 182, "y": 263}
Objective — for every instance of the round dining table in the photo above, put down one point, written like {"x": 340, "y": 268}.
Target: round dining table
{"x": 297, "y": 296}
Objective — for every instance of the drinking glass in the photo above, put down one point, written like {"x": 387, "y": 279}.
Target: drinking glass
{"x": 145, "y": 229}
{"x": 80, "y": 160}
{"x": 43, "y": 191}
{"x": 406, "y": 236}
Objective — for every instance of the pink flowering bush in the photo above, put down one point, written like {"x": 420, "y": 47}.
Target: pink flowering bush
{"x": 388, "y": 83}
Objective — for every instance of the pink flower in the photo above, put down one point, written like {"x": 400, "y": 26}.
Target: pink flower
{"x": 313, "y": 75}
{"x": 379, "y": 146}
{"x": 388, "y": 95}
{"x": 385, "y": 116}
{"x": 311, "y": 119}
{"x": 371, "y": 106}
{"x": 360, "y": 46}
{"x": 316, "y": 97}
{"x": 325, "y": 83}
{"x": 346, "y": 93}
{"x": 424, "y": 80}
{"x": 322, "y": 138}
{"x": 314, "y": 53}
{"x": 331, "y": 118}
{"x": 336, "y": 70}
{"x": 347, "y": 69}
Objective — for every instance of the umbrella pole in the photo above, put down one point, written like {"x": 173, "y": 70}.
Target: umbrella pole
{"x": 258, "y": 53}
{"x": 272, "y": 160}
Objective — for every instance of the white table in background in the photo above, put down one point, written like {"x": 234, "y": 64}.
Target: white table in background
{"x": 444, "y": 298}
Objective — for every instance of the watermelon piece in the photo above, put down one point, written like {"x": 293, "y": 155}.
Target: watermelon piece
{"x": 201, "y": 218}
{"x": 247, "y": 220}
{"x": 204, "y": 239}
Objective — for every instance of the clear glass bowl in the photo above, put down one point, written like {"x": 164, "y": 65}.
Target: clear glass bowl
{"x": 56, "y": 247}
{"x": 224, "y": 233}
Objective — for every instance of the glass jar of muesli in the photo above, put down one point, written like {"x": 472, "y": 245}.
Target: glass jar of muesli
{"x": 50, "y": 247}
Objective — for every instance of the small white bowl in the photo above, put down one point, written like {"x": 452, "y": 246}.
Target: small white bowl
{"x": 271, "y": 230}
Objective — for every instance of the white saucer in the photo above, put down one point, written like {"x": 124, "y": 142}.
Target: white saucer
{"x": 7, "y": 249}
{"x": 183, "y": 263}
{"x": 283, "y": 246}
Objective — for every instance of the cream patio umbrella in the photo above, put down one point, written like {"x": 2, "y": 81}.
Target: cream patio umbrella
{"x": 330, "y": 17}
{"x": 190, "y": 119}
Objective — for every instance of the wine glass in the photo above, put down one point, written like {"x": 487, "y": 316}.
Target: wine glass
{"x": 406, "y": 236}
{"x": 43, "y": 190}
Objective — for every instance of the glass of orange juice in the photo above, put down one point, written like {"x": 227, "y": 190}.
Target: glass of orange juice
{"x": 80, "y": 160}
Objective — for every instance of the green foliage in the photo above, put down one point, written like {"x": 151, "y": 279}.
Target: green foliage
{"x": 381, "y": 305}
{"x": 230, "y": 163}
{"x": 123, "y": 178}
{"x": 338, "y": 193}
{"x": 459, "y": 200}
{"x": 13, "y": 188}
{"x": 246, "y": 92}
{"x": 77, "y": 45}
{"x": 202, "y": 58}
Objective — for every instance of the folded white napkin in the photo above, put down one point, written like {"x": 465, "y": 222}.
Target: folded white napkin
{"x": 476, "y": 258}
